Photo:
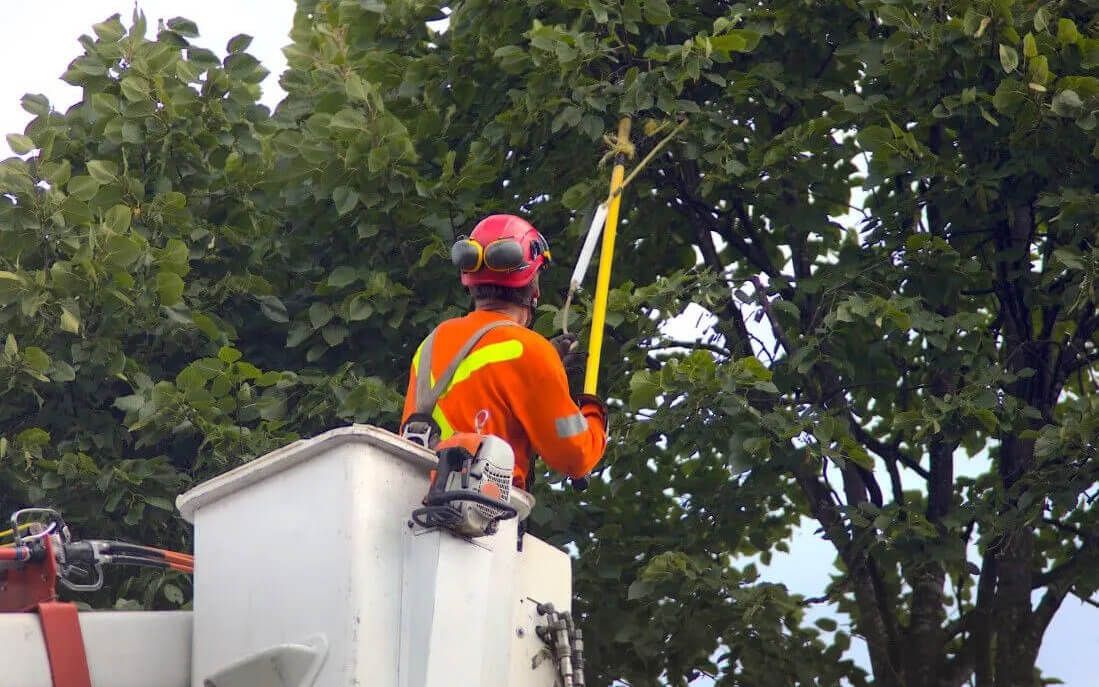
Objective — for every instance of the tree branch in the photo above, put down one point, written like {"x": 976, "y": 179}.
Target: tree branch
{"x": 698, "y": 345}
{"x": 780, "y": 332}
{"x": 885, "y": 450}
{"x": 874, "y": 618}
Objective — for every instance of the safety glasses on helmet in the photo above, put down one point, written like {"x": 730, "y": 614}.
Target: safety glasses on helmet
{"x": 502, "y": 255}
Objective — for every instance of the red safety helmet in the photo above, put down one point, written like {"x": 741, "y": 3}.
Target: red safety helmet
{"x": 502, "y": 249}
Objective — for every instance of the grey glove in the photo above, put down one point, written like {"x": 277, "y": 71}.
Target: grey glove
{"x": 568, "y": 348}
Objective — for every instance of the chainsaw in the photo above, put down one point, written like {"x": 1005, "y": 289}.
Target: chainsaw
{"x": 469, "y": 491}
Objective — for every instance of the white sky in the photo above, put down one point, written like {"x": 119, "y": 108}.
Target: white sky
{"x": 38, "y": 40}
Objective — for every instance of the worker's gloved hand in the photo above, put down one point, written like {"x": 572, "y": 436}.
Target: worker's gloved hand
{"x": 568, "y": 348}
{"x": 563, "y": 344}
{"x": 593, "y": 405}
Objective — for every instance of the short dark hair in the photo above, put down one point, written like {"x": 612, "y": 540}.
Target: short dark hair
{"x": 495, "y": 292}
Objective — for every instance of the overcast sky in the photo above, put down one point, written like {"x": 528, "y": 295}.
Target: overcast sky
{"x": 38, "y": 40}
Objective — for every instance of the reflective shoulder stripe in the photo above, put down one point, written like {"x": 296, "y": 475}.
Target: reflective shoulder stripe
{"x": 571, "y": 425}
{"x": 486, "y": 355}
{"x": 416, "y": 361}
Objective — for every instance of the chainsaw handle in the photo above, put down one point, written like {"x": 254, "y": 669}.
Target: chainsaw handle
{"x": 445, "y": 497}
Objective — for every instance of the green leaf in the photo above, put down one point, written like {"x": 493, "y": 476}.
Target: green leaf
{"x": 644, "y": 389}
{"x": 134, "y": 88}
{"x": 657, "y": 12}
{"x": 69, "y": 321}
{"x": 36, "y": 104}
{"x": 273, "y": 308}
{"x": 118, "y": 219}
{"x": 61, "y": 371}
{"x": 1010, "y": 94}
{"x": 1067, "y": 103}
{"x": 348, "y": 120}
{"x": 184, "y": 27}
{"x": 228, "y": 355}
{"x": 639, "y": 589}
{"x": 83, "y": 187}
{"x": 238, "y": 43}
{"x": 1067, "y": 32}
{"x": 1069, "y": 258}
{"x": 174, "y": 257}
{"x": 360, "y": 307}
{"x": 171, "y": 592}
{"x": 737, "y": 40}
{"x": 298, "y": 333}
{"x": 20, "y": 144}
{"x": 169, "y": 288}
{"x": 33, "y": 436}
{"x": 122, "y": 251}
{"x": 512, "y": 59}
{"x": 36, "y": 359}
{"x": 111, "y": 30}
{"x": 345, "y": 199}
{"x": 1009, "y": 58}
{"x": 160, "y": 502}
{"x": 320, "y": 314}
{"x": 1041, "y": 18}
{"x": 11, "y": 347}
{"x": 103, "y": 171}
{"x": 1030, "y": 46}
{"x": 271, "y": 406}
{"x": 826, "y": 624}
{"x": 343, "y": 276}
{"x": 334, "y": 334}
{"x": 576, "y": 196}
{"x": 856, "y": 453}
{"x": 357, "y": 89}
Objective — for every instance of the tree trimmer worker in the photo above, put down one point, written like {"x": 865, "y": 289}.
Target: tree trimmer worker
{"x": 490, "y": 360}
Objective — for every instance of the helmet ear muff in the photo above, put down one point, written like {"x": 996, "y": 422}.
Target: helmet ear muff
{"x": 504, "y": 256}
{"x": 466, "y": 254}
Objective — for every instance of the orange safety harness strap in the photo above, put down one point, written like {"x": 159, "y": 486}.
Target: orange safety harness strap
{"x": 64, "y": 644}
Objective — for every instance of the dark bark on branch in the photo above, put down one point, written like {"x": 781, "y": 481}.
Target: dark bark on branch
{"x": 885, "y": 450}
{"x": 881, "y": 639}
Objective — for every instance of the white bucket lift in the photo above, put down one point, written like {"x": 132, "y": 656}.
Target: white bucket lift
{"x": 311, "y": 548}
{"x": 309, "y": 573}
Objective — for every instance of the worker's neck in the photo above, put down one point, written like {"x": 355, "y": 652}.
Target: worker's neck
{"x": 512, "y": 311}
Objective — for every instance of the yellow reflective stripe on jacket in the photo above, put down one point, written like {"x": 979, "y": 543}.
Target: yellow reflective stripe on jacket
{"x": 500, "y": 352}
{"x": 446, "y": 430}
{"x": 486, "y": 355}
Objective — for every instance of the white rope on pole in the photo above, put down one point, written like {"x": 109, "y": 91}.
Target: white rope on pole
{"x": 586, "y": 253}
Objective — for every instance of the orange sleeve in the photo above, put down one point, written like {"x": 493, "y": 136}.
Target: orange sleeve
{"x": 410, "y": 393}
{"x": 569, "y": 439}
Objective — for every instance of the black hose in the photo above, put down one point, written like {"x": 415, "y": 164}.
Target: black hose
{"x": 136, "y": 560}
{"x": 122, "y": 548}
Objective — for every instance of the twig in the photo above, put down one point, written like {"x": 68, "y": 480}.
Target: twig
{"x": 780, "y": 333}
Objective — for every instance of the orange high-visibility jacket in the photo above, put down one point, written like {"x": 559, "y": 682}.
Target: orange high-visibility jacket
{"x": 517, "y": 376}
